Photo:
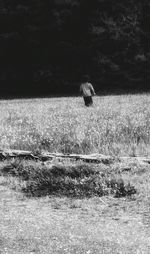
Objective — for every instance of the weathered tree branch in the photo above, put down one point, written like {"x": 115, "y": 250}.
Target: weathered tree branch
{"x": 45, "y": 156}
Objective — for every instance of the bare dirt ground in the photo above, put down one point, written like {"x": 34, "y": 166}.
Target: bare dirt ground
{"x": 64, "y": 225}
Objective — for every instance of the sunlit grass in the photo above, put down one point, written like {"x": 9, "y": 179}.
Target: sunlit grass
{"x": 115, "y": 125}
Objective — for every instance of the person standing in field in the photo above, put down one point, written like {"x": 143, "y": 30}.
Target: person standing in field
{"x": 87, "y": 91}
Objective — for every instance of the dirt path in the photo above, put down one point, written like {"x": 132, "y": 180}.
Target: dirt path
{"x": 61, "y": 225}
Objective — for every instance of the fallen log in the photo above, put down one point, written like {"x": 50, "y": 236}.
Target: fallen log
{"x": 135, "y": 159}
{"x": 5, "y": 154}
{"x": 91, "y": 158}
{"x": 45, "y": 156}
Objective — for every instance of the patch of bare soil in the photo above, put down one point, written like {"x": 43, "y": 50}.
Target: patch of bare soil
{"x": 64, "y": 225}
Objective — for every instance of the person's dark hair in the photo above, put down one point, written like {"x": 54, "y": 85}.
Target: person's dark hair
{"x": 85, "y": 78}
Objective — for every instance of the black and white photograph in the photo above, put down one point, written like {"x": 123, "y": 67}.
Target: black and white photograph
{"x": 74, "y": 127}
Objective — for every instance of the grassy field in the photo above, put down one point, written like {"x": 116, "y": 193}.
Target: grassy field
{"x": 115, "y": 125}
{"x": 75, "y": 207}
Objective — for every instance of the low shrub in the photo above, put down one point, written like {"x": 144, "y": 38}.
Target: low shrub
{"x": 119, "y": 188}
{"x": 77, "y": 180}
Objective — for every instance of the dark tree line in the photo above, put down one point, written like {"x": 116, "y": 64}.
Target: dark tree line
{"x": 46, "y": 46}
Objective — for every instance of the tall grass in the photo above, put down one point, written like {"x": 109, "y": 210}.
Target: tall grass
{"x": 115, "y": 125}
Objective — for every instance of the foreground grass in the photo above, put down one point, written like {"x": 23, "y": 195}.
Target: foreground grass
{"x": 115, "y": 125}
{"x": 59, "y": 224}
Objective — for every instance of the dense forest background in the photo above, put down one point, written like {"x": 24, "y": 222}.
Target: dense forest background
{"x": 46, "y": 46}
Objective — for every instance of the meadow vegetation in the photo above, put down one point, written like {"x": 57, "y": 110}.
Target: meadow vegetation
{"x": 115, "y": 125}
{"x": 67, "y": 179}
{"x": 71, "y": 206}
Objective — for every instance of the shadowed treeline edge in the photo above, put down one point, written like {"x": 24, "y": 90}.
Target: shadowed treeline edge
{"x": 47, "y": 46}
